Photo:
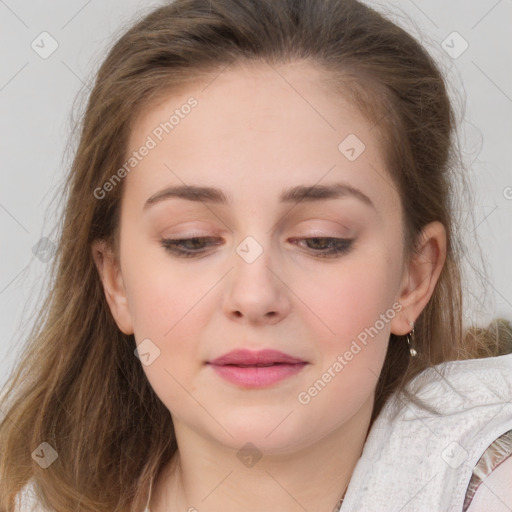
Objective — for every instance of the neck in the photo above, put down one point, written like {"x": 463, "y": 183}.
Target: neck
{"x": 205, "y": 477}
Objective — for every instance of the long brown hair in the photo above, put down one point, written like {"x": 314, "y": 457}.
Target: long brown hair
{"x": 78, "y": 386}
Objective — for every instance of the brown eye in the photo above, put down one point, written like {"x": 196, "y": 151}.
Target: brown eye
{"x": 324, "y": 247}
{"x": 187, "y": 247}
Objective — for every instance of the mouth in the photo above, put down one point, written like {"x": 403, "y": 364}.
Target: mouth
{"x": 259, "y": 365}
{"x": 261, "y": 358}
{"x": 256, "y": 369}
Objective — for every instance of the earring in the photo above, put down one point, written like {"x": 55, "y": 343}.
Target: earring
{"x": 409, "y": 338}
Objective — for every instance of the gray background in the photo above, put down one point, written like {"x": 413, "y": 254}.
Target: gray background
{"x": 38, "y": 96}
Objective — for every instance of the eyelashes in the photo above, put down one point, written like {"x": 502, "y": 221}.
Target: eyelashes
{"x": 175, "y": 246}
{"x": 324, "y": 247}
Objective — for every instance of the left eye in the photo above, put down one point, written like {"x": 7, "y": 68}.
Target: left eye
{"x": 327, "y": 247}
{"x": 323, "y": 247}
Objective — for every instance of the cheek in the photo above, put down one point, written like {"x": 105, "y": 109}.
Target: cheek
{"x": 168, "y": 311}
{"x": 352, "y": 341}
{"x": 163, "y": 296}
{"x": 354, "y": 305}
{"x": 349, "y": 299}
{"x": 169, "y": 306}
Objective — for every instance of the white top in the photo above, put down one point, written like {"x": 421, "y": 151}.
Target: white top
{"x": 414, "y": 461}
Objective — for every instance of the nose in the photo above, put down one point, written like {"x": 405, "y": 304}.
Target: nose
{"x": 256, "y": 291}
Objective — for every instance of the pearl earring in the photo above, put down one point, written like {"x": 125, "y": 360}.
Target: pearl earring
{"x": 410, "y": 338}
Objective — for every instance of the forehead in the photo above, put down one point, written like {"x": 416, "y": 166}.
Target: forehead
{"x": 258, "y": 127}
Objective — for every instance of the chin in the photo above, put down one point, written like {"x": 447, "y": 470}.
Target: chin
{"x": 271, "y": 434}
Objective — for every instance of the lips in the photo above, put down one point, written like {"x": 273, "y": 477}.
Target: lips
{"x": 260, "y": 358}
{"x": 260, "y": 369}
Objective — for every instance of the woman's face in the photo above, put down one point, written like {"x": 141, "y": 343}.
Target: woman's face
{"x": 272, "y": 152}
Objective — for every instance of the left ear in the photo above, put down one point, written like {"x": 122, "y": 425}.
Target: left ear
{"x": 420, "y": 276}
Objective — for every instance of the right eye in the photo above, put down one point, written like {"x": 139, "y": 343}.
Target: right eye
{"x": 187, "y": 247}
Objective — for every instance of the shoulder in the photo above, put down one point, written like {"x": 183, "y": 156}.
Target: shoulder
{"x": 495, "y": 492}
{"x": 461, "y": 409}
{"x": 452, "y": 389}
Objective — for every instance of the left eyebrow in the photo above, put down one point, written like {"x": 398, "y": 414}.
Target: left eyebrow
{"x": 296, "y": 194}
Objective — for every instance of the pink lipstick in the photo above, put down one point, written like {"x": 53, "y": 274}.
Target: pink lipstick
{"x": 256, "y": 369}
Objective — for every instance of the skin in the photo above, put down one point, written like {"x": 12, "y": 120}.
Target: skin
{"x": 253, "y": 135}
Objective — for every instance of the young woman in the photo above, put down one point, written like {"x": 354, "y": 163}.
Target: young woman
{"x": 257, "y": 298}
